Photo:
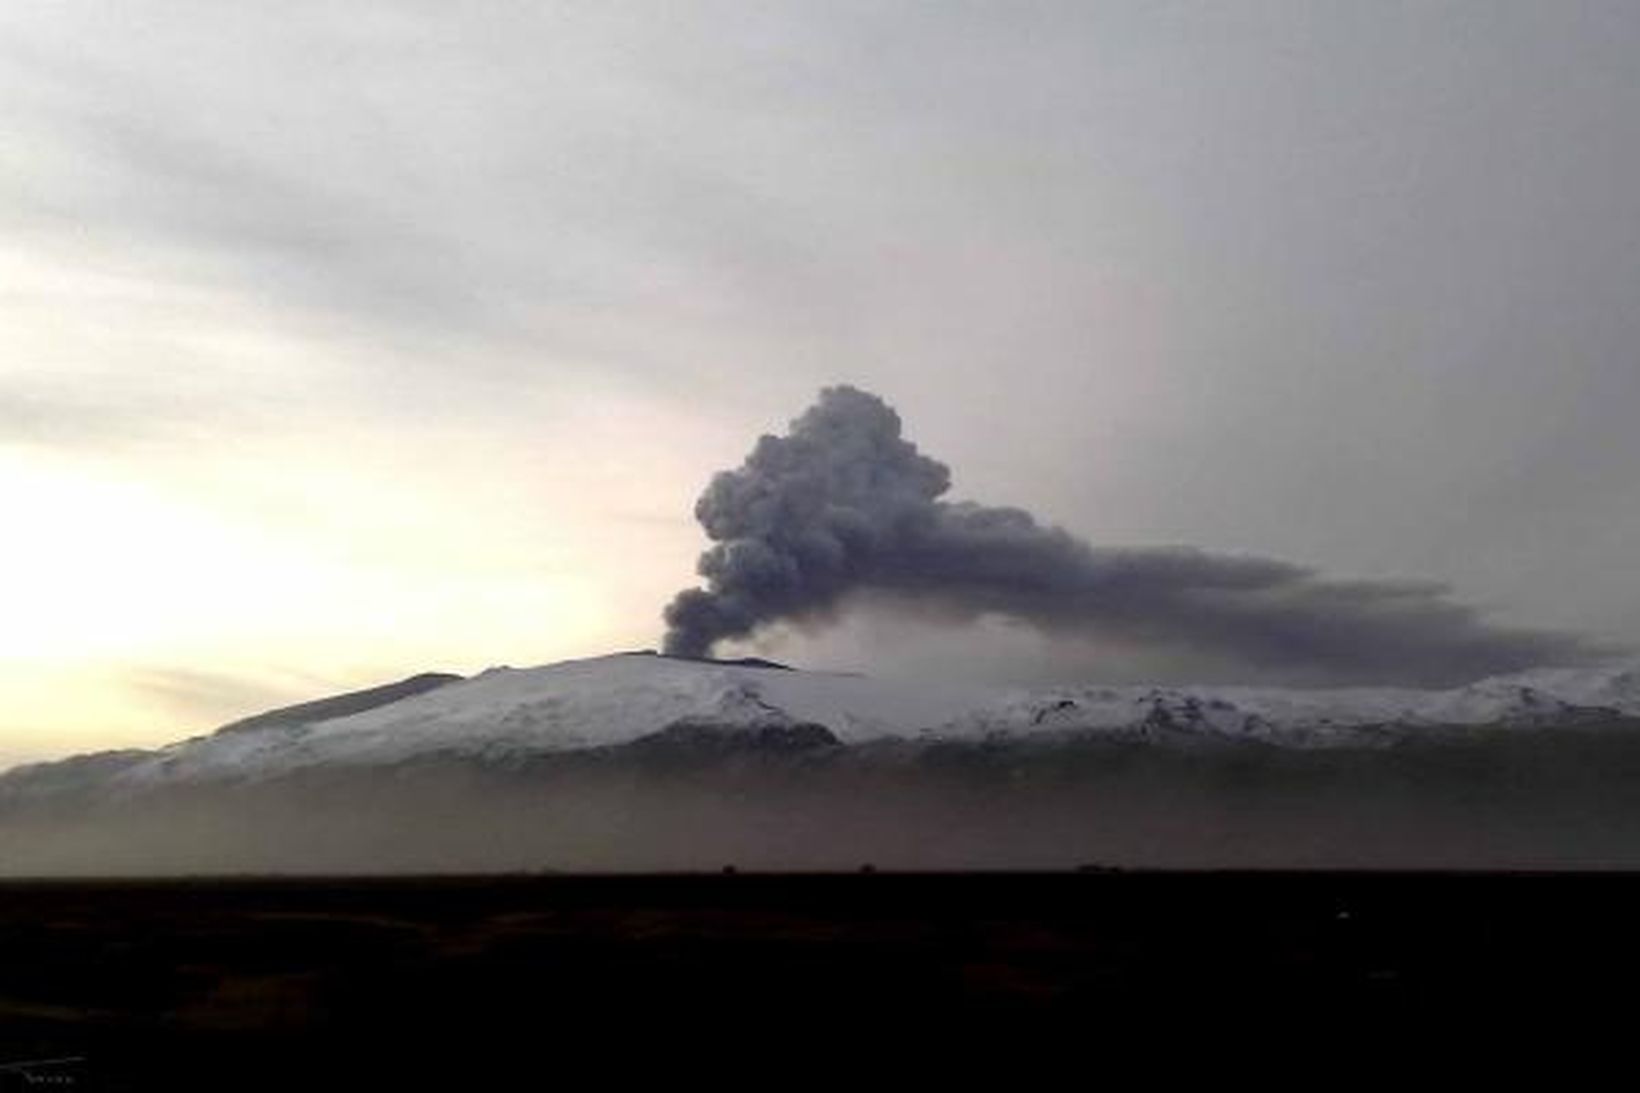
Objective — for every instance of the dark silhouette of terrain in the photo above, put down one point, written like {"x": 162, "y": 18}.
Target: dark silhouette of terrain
{"x": 344, "y": 705}
{"x": 491, "y": 982}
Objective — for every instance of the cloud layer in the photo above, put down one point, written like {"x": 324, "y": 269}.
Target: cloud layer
{"x": 418, "y": 308}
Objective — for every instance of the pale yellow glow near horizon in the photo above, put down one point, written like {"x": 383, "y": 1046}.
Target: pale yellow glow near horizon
{"x": 139, "y": 611}
{"x": 111, "y": 584}
{"x": 212, "y": 509}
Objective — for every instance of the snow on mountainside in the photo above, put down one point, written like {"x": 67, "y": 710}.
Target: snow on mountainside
{"x": 620, "y": 699}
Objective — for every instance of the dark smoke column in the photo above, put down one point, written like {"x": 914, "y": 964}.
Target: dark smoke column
{"x": 794, "y": 527}
{"x": 843, "y": 505}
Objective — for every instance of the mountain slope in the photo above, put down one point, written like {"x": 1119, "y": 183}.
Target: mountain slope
{"x": 648, "y": 762}
{"x": 612, "y": 701}
{"x": 343, "y": 705}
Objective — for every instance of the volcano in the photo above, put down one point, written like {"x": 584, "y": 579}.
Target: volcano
{"x": 640, "y": 760}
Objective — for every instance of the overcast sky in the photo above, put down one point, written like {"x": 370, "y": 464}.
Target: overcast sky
{"x": 337, "y": 344}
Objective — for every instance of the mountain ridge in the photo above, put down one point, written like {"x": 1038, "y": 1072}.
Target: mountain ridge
{"x": 623, "y": 698}
{"x": 635, "y": 762}
{"x": 344, "y": 704}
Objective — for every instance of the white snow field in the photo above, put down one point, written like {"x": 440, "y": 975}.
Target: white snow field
{"x": 617, "y": 699}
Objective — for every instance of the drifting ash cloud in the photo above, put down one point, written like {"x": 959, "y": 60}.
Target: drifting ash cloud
{"x": 844, "y": 506}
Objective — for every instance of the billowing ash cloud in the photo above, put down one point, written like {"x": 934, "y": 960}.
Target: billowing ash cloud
{"x": 845, "y": 505}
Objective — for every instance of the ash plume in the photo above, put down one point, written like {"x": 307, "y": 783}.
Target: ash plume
{"x": 843, "y": 506}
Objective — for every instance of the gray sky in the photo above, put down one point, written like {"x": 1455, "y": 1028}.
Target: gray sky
{"x": 343, "y": 344}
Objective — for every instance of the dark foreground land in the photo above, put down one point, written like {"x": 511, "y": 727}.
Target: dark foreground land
{"x": 363, "y": 983}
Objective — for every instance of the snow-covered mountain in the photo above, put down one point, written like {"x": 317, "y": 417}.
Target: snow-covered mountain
{"x": 638, "y": 761}
{"x": 611, "y": 701}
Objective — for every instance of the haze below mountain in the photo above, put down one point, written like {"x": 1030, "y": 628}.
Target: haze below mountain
{"x": 644, "y": 762}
